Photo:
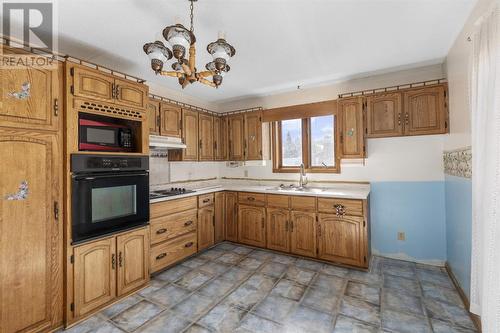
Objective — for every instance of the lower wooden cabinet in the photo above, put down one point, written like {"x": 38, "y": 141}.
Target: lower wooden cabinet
{"x": 206, "y": 221}
{"x": 277, "y": 229}
{"x": 303, "y": 233}
{"x": 219, "y": 217}
{"x": 168, "y": 253}
{"x": 133, "y": 261}
{"x": 251, "y": 225}
{"x": 231, "y": 220}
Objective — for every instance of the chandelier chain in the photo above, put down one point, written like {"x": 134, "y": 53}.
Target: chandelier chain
{"x": 192, "y": 8}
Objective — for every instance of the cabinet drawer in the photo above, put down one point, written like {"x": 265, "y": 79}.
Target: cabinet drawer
{"x": 303, "y": 203}
{"x": 171, "y": 226}
{"x": 172, "y": 206}
{"x": 348, "y": 206}
{"x": 165, "y": 254}
{"x": 255, "y": 199}
{"x": 276, "y": 200}
{"x": 205, "y": 200}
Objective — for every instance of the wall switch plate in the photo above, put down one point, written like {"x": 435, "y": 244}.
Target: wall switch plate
{"x": 401, "y": 236}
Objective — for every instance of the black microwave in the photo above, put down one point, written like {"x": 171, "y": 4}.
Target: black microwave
{"x": 104, "y": 136}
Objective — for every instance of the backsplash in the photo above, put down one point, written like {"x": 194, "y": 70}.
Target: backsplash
{"x": 458, "y": 162}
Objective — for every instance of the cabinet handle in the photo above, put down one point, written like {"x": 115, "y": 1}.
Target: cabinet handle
{"x": 161, "y": 231}
{"x": 201, "y": 144}
{"x": 206, "y": 200}
{"x": 291, "y": 226}
{"x": 120, "y": 259}
{"x": 161, "y": 256}
{"x": 263, "y": 224}
{"x": 235, "y": 210}
{"x": 189, "y": 244}
{"x": 117, "y": 93}
{"x": 113, "y": 91}
{"x": 158, "y": 121}
{"x": 250, "y": 198}
{"x": 286, "y": 225}
{"x": 407, "y": 119}
{"x": 319, "y": 230}
{"x": 339, "y": 209}
{"x": 113, "y": 261}
{"x": 399, "y": 119}
{"x": 180, "y": 124}
{"x": 188, "y": 223}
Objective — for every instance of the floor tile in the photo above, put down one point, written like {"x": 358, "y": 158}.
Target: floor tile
{"x": 397, "y": 262}
{"x": 136, "y": 315}
{"x": 216, "y": 288}
{"x": 333, "y": 284}
{"x": 304, "y": 319}
{"x": 361, "y": 310}
{"x": 169, "y": 295}
{"x": 154, "y": 285}
{"x": 261, "y": 255}
{"x": 319, "y": 300}
{"x": 289, "y": 289}
{"x": 334, "y": 270}
{"x": 250, "y": 263}
{"x": 124, "y": 304}
{"x": 173, "y": 273}
{"x": 166, "y": 322}
{"x": 226, "y": 247}
{"x": 309, "y": 264}
{"x": 365, "y": 277}
{"x": 193, "y": 306}
{"x": 441, "y": 293}
{"x": 435, "y": 277}
{"x": 275, "y": 308}
{"x": 273, "y": 269}
{"x": 242, "y": 250}
{"x": 229, "y": 258}
{"x": 214, "y": 268}
{"x": 235, "y": 274}
{"x": 222, "y": 318}
{"x": 448, "y": 312}
{"x": 403, "y": 284}
{"x": 400, "y": 301}
{"x": 244, "y": 297}
{"x": 195, "y": 328}
{"x": 194, "y": 262}
{"x": 445, "y": 327}
{"x": 349, "y": 325}
{"x": 404, "y": 271}
{"x": 211, "y": 254}
{"x": 299, "y": 275}
{"x": 94, "y": 324}
{"x": 363, "y": 291}
{"x": 253, "y": 323}
{"x": 283, "y": 259}
{"x": 261, "y": 282}
{"x": 193, "y": 280}
{"x": 404, "y": 322}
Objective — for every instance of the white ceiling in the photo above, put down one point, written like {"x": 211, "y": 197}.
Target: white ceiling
{"x": 279, "y": 43}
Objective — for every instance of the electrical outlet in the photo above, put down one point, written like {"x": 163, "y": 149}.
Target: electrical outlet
{"x": 245, "y": 173}
{"x": 401, "y": 236}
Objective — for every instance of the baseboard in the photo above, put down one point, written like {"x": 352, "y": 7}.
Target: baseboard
{"x": 475, "y": 318}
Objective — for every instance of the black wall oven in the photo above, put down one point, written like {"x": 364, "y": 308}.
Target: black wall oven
{"x": 109, "y": 194}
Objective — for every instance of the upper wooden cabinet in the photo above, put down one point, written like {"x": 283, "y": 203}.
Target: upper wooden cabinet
{"x": 251, "y": 225}
{"x": 133, "y": 260}
{"x": 131, "y": 93}
{"x": 425, "y": 111}
{"x": 190, "y": 135}
{"x": 154, "y": 116}
{"x": 220, "y": 138}
{"x": 253, "y": 135}
{"x": 384, "y": 115}
{"x": 206, "y": 137}
{"x": 170, "y": 120}
{"x": 236, "y": 130}
{"x": 231, "y": 218}
{"x": 352, "y": 142}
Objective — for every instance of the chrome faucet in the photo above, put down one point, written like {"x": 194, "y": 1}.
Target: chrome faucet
{"x": 303, "y": 177}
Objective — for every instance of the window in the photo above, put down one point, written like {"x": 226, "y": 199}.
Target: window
{"x": 310, "y": 141}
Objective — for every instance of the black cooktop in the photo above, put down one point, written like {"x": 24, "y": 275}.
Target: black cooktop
{"x": 169, "y": 193}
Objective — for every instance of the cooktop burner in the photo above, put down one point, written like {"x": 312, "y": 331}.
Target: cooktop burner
{"x": 169, "y": 193}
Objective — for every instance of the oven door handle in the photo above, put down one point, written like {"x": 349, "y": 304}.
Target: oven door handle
{"x": 91, "y": 177}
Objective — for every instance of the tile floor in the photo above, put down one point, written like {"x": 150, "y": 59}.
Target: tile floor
{"x": 233, "y": 288}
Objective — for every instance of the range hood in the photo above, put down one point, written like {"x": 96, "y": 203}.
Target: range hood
{"x": 165, "y": 142}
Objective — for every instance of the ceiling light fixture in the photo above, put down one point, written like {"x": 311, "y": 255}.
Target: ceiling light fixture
{"x": 180, "y": 39}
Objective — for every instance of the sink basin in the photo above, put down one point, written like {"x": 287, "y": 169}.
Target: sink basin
{"x": 296, "y": 190}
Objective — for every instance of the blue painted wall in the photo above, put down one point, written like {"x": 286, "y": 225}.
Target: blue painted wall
{"x": 458, "y": 194}
{"x": 418, "y": 209}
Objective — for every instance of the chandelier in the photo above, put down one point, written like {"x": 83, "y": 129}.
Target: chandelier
{"x": 180, "y": 39}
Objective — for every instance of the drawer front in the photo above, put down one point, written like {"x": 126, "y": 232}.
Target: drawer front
{"x": 341, "y": 206}
{"x": 205, "y": 200}
{"x": 303, "y": 203}
{"x": 254, "y": 199}
{"x": 165, "y": 254}
{"x": 279, "y": 201}
{"x": 168, "y": 227}
{"x": 172, "y": 206}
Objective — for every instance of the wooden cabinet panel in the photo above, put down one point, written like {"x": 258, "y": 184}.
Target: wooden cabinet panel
{"x": 95, "y": 275}
{"x": 253, "y": 135}
{"x": 131, "y": 93}
{"x": 31, "y": 269}
{"x": 154, "y": 117}
{"x": 171, "y": 226}
{"x": 236, "y": 128}
{"x": 425, "y": 111}
{"x": 170, "y": 120}
{"x": 348, "y": 206}
{"x": 384, "y": 115}
{"x": 341, "y": 239}
{"x": 277, "y": 200}
{"x": 352, "y": 141}
{"x": 231, "y": 222}
{"x": 90, "y": 83}
{"x": 303, "y": 233}
{"x": 133, "y": 260}
{"x": 190, "y": 135}
{"x": 277, "y": 223}
{"x": 251, "y": 225}
{"x": 220, "y": 138}
{"x": 205, "y": 227}
{"x": 219, "y": 217}
{"x": 303, "y": 203}
{"x": 170, "y": 252}
{"x": 205, "y": 200}
{"x": 206, "y": 127}
{"x": 254, "y": 199}
{"x": 172, "y": 206}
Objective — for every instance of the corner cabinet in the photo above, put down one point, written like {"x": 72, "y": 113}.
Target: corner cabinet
{"x": 231, "y": 218}
{"x": 219, "y": 209}
{"x": 206, "y": 222}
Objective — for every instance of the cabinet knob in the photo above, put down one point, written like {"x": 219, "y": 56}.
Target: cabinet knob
{"x": 250, "y": 198}
{"x": 161, "y": 231}
{"x": 206, "y": 200}
{"x": 339, "y": 209}
{"x": 161, "y": 256}
{"x": 113, "y": 261}
{"x": 189, "y": 244}
{"x": 188, "y": 223}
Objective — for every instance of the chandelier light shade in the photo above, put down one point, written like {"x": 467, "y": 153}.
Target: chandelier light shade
{"x": 182, "y": 42}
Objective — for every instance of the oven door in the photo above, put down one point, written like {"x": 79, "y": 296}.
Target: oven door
{"x": 106, "y": 203}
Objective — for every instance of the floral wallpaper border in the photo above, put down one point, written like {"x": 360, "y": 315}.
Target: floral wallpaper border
{"x": 458, "y": 162}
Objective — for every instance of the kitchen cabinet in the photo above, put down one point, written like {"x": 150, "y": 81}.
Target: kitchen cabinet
{"x": 154, "y": 117}
{"x": 206, "y": 221}
{"x": 425, "y": 110}
{"x": 253, "y": 135}
{"x": 352, "y": 142}
{"x": 277, "y": 225}
{"x": 170, "y": 120}
{"x": 231, "y": 216}
{"x": 219, "y": 212}
{"x": 130, "y": 93}
{"x": 303, "y": 233}
{"x": 236, "y": 129}
{"x": 220, "y": 138}
{"x": 190, "y": 135}
{"x": 206, "y": 137}
{"x": 251, "y": 225}
{"x": 384, "y": 115}
{"x": 172, "y": 251}
{"x": 133, "y": 261}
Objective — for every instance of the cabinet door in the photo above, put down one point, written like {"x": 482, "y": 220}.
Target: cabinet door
{"x": 303, "y": 233}
{"x": 30, "y": 236}
{"x": 95, "y": 275}
{"x": 352, "y": 141}
{"x": 219, "y": 217}
{"x": 190, "y": 135}
{"x": 131, "y": 93}
{"x": 206, "y": 127}
{"x": 205, "y": 227}
{"x": 253, "y": 136}
{"x": 236, "y": 134}
{"x": 220, "y": 137}
{"x": 170, "y": 120}
{"x": 251, "y": 225}
{"x": 133, "y": 260}
{"x": 425, "y": 111}
{"x": 341, "y": 239}
{"x": 384, "y": 116}
{"x": 90, "y": 83}
{"x": 154, "y": 117}
{"x": 231, "y": 222}
{"x": 277, "y": 224}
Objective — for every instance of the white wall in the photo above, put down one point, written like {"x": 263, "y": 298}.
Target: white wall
{"x": 180, "y": 97}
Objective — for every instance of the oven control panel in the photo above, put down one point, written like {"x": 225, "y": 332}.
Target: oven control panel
{"x": 101, "y": 163}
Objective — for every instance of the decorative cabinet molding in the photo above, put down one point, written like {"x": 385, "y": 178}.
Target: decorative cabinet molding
{"x": 458, "y": 162}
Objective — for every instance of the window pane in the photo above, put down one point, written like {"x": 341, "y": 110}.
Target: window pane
{"x": 322, "y": 142}
{"x": 291, "y": 142}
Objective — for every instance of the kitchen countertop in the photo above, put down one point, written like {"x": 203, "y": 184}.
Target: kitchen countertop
{"x": 343, "y": 191}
